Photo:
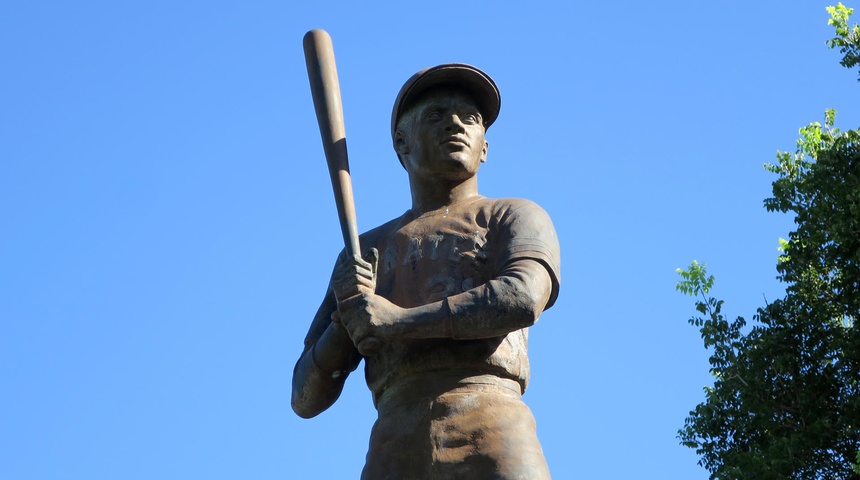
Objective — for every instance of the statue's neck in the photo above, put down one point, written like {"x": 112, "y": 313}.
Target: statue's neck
{"x": 433, "y": 195}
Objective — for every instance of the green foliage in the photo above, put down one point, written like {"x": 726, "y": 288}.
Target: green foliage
{"x": 785, "y": 403}
{"x": 847, "y": 38}
{"x": 820, "y": 185}
{"x": 695, "y": 282}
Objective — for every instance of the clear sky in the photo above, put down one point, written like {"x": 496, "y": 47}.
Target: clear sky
{"x": 167, "y": 226}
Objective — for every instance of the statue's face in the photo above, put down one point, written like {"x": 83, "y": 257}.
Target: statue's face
{"x": 445, "y": 138}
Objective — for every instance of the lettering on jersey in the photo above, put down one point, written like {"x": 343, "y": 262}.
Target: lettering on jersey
{"x": 433, "y": 242}
{"x": 467, "y": 253}
{"x": 439, "y": 287}
{"x": 413, "y": 251}
{"x": 389, "y": 258}
{"x": 475, "y": 247}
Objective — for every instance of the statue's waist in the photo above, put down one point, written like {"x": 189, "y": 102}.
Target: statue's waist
{"x": 439, "y": 364}
{"x": 426, "y": 385}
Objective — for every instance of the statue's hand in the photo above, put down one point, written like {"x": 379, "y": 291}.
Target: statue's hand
{"x": 355, "y": 276}
{"x": 370, "y": 316}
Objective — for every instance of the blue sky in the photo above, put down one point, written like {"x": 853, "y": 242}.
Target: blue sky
{"x": 168, "y": 227}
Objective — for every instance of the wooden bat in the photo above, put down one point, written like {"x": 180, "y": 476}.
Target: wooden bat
{"x": 325, "y": 89}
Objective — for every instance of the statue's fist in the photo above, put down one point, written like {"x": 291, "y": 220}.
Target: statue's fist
{"x": 355, "y": 275}
{"x": 369, "y": 317}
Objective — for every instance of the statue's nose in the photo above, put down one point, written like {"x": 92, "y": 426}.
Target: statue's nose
{"x": 454, "y": 124}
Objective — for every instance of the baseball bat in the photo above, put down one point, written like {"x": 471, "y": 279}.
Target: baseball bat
{"x": 325, "y": 89}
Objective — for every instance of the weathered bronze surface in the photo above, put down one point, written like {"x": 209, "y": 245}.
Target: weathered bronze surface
{"x": 448, "y": 290}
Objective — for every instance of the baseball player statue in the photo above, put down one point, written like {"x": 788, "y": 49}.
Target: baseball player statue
{"x": 441, "y": 302}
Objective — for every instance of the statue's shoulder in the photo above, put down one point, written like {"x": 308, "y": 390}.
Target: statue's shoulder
{"x": 516, "y": 202}
{"x": 369, "y": 237}
{"x": 504, "y": 207}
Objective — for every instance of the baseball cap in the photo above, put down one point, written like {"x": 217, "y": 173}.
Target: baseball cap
{"x": 460, "y": 75}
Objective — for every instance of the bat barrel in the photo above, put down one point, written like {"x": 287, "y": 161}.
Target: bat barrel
{"x": 325, "y": 88}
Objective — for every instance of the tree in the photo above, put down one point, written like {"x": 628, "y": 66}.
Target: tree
{"x": 847, "y": 39}
{"x": 785, "y": 403}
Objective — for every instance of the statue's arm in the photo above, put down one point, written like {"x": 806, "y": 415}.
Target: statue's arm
{"x": 525, "y": 284}
{"x": 509, "y": 302}
{"x": 327, "y": 359}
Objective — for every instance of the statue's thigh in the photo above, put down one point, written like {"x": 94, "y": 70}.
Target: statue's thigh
{"x": 485, "y": 435}
{"x": 399, "y": 447}
{"x": 477, "y": 435}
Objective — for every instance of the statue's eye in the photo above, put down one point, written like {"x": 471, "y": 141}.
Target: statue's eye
{"x": 434, "y": 116}
{"x": 470, "y": 119}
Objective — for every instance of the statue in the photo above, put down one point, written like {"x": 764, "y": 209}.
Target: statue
{"x": 441, "y": 302}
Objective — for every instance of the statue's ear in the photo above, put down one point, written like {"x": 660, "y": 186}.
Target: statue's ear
{"x": 401, "y": 146}
{"x": 484, "y": 151}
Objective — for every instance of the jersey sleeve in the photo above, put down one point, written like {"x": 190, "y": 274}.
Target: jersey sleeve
{"x": 526, "y": 231}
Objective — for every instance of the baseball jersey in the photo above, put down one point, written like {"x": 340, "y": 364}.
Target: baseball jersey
{"x": 454, "y": 254}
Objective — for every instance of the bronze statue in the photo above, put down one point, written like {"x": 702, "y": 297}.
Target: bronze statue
{"x": 446, "y": 293}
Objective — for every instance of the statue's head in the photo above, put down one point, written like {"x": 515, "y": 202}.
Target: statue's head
{"x": 444, "y": 110}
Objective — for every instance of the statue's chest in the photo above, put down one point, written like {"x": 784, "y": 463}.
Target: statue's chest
{"x": 425, "y": 262}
